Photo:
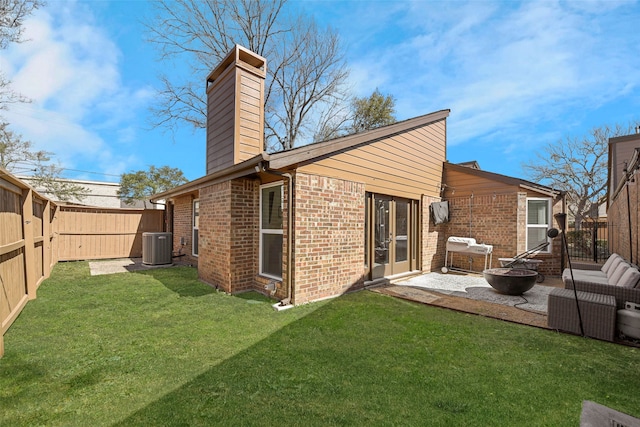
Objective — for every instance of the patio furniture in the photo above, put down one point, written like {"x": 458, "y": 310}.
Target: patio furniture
{"x": 616, "y": 277}
{"x": 598, "y": 313}
{"x": 466, "y": 246}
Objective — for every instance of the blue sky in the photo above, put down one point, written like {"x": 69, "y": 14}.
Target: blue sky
{"x": 516, "y": 76}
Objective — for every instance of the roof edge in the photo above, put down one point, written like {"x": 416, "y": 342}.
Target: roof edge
{"x": 245, "y": 168}
{"x": 287, "y": 158}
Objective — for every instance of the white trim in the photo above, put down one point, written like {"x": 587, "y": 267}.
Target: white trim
{"x": 545, "y": 226}
{"x": 268, "y": 231}
{"x": 195, "y": 244}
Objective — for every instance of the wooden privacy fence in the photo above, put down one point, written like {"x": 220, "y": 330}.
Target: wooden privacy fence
{"x": 36, "y": 233}
{"x": 98, "y": 233}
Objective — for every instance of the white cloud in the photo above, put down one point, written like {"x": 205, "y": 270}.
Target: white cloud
{"x": 69, "y": 67}
{"x": 504, "y": 67}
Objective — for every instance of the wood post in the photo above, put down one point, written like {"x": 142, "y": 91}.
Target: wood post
{"x": 29, "y": 250}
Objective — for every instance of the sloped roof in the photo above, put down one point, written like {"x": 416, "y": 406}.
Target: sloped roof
{"x": 284, "y": 160}
{"x": 508, "y": 180}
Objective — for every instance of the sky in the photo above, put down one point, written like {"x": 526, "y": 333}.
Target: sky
{"x": 517, "y": 76}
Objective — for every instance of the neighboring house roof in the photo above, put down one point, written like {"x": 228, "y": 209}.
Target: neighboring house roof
{"x": 470, "y": 164}
{"x": 290, "y": 159}
{"x": 504, "y": 179}
{"x": 98, "y": 193}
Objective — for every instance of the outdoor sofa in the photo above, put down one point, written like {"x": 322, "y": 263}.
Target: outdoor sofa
{"x": 616, "y": 277}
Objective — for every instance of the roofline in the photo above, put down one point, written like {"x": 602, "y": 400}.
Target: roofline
{"x": 306, "y": 153}
{"x": 528, "y": 185}
{"x": 241, "y": 169}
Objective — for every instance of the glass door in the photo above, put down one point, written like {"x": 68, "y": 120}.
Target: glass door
{"x": 392, "y": 235}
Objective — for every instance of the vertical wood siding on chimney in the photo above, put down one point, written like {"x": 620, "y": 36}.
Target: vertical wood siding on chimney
{"x": 235, "y": 110}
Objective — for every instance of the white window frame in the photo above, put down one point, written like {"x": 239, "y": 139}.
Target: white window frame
{"x": 546, "y": 226}
{"x": 269, "y": 230}
{"x": 195, "y": 228}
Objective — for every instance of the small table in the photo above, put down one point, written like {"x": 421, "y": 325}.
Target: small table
{"x": 598, "y": 313}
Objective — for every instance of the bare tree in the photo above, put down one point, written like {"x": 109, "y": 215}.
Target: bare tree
{"x": 12, "y": 16}
{"x": 305, "y": 66}
{"x": 578, "y": 165}
{"x": 18, "y": 156}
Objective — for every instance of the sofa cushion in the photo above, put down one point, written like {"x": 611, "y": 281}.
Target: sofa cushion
{"x": 591, "y": 276}
{"x": 630, "y": 278}
{"x": 614, "y": 265}
{"x": 622, "y": 268}
{"x": 609, "y": 262}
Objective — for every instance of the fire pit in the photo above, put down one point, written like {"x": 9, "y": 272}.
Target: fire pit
{"x": 510, "y": 281}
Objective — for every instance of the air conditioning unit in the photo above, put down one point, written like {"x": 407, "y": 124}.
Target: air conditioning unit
{"x": 156, "y": 248}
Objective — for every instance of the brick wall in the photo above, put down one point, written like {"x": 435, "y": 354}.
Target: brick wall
{"x": 183, "y": 228}
{"x": 329, "y": 237}
{"x": 229, "y": 235}
{"x": 618, "y": 217}
{"x": 498, "y": 220}
{"x": 245, "y": 239}
{"x": 214, "y": 265}
{"x": 434, "y": 238}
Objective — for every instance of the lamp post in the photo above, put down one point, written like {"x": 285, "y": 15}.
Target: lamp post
{"x": 561, "y": 219}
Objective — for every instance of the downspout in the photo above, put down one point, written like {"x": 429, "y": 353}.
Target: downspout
{"x": 286, "y": 301}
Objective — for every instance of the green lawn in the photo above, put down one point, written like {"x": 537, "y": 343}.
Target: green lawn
{"x": 160, "y": 348}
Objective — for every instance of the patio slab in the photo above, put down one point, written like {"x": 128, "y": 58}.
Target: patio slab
{"x": 121, "y": 265}
{"x": 470, "y": 293}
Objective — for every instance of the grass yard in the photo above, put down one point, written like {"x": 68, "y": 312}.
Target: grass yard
{"x": 161, "y": 348}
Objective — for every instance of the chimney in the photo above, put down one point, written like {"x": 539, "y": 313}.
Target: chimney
{"x": 235, "y": 109}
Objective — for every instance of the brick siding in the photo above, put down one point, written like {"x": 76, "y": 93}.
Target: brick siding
{"x": 618, "y": 217}
{"x": 433, "y": 238}
{"x": 183, "y": 228}
{"x": 498, "y": 220}
{"x": 329, "y": 237}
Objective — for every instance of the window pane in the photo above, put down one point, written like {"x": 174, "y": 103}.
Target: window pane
{"x": 538, "y": 212}
{"x": 381, "y": 232}
{"x": 272, "y": 208}
{"x": 536, "y": 236}
{"x": 195, "y": 241}
{"x": 272, "y": 254}
{"x": 402, "y": 229}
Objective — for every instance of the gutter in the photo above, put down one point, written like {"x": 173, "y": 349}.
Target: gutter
{"x": 286, "y": 302}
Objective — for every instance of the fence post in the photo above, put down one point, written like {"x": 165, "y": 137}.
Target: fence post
{"x": 29, "y": 249}
{"x": 46, "y": 240}
{"x": 594, "y": 241}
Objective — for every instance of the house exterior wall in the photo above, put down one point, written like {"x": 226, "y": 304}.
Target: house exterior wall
{"x": 624, "y": 227}
{"x": 433, "y": 238}
{"x": 621, "y": 150}
{"x": 244, "y": 243}
{"x": 183, "y": 227}
{"x": 407, "y": 164}
{"x": 229, "y": 240}
{"x": 329, "y": 237}
{"x": 500, "y": 221}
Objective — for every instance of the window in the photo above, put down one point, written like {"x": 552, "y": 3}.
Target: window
{"x": 271, "y": 230}
{"x": 196, "y": 225}
{"x": 538, "y": 222}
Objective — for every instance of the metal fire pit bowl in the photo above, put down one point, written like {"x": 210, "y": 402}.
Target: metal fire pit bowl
{"x": 510, "y": 281}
